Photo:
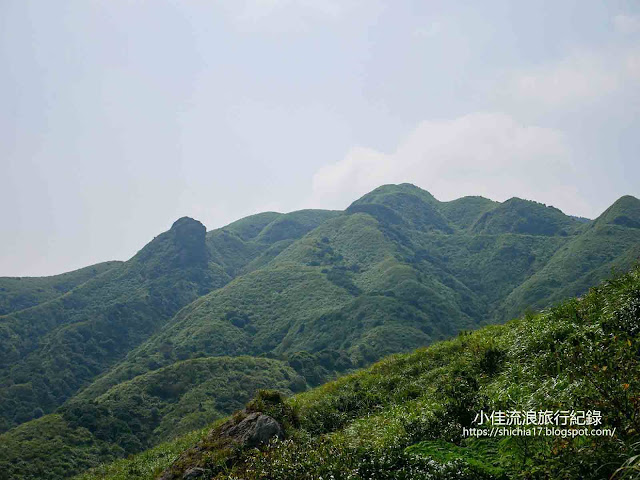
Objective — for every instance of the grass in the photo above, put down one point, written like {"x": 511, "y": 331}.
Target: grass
{"x": 318, "y": 292}
{"x": 402, "y": 418}
{"x": 18, "y": 293}
{"x": 147, "y": 465}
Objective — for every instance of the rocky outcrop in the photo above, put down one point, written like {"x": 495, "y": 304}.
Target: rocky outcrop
{"x": 247, "y": 430}
{"x": 254, "y": 430}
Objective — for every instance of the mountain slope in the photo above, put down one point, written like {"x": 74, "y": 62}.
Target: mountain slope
{"x": 175, "y": 399}
{"x": 404, "y": 417}
{"x": 405, "y": 203}
{"x": 319, "y": 292}
{"x": 18, "y": 293}
{"x": 328, "y": 290}
{"x": 526, "y": 217}
{"x": 49, "y": 351}
{"x": 624, "y": 212}
{"x": 608, "y": 243}
{"x": 250, "y": 242}
{"x": 465, "y": 211}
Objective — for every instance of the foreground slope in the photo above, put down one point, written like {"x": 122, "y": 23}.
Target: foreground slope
{"x": 403, "y": 418}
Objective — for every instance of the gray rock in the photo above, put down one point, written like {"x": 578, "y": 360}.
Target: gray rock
{"x": 254, "y": 430}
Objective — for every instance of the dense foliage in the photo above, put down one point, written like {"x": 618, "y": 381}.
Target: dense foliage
{"x": 307, "y": 295}
{"x": 18, "y": 293}
{"x": 51, "y": 350}
{"x": 138, "y": 414}
{"x": 403, "y": 418}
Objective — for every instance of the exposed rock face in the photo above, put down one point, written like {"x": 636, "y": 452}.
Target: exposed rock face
{"x": 181, "y": 250}
{"x": 250, "y": 431}
{"x": 189, "y": 237}
{"x": 256, "y": 429}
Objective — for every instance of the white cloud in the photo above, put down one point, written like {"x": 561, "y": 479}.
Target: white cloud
{"x": 627, "y": 24}
{"x": 488, "y": 154}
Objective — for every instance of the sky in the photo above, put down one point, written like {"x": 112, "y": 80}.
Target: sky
{"x": 119, "y": 116}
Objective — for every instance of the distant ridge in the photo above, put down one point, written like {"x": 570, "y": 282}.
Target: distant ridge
{"x": 624, "y": 212}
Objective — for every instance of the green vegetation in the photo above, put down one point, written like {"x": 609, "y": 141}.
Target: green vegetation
{"x": 51, "y": 350}
{"x": 163, "y": 343}
{"x": 251, "y": 242}
{"x": 49, "y": 447}
{"x": 403, "y": 417}
{"x": 18, "y": 293}
{"x": 175, "y": 399}
{"x": 625, "y": 212}
{"x": 582, "y": 262}
{"x": 465, "y": 211}
{"x": 526, "y": 217}
{"x": 137, "y": 414}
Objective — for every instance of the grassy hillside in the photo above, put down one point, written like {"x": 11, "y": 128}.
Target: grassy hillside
{"x": 185, "y": 395}
{"x": 18, "y": 293}
{"x": 403, "y": 417}
{"x": 465, "y": 211}
{"x": 607, "y": 244}
{"x": 403, "y": 204}
{"x": 625, "y": 212}
{"x": 250, "y": 242}
{"x": 318, "y": 292}
{"x": 344, "y": 286}
{"x": 162, "y": 404}
{"x": 49, "y": 351}
{"x": 526, "y": 217}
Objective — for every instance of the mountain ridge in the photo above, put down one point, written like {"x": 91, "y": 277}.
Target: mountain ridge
{"x": 406, "y": 416}
{"x": 319, "y": 292}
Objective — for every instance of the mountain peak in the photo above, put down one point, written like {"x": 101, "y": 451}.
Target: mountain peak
{"x": 182, "y": 246}
{"x": 186, "y": 223}
{"x": 189, "y": 234}
{"x": 625, "y": 212}
{"x": 517, "y": 215}
{"x": 399, "y": 188}
{"x": 627, "y": 203}
{"x": 402, "y": 203}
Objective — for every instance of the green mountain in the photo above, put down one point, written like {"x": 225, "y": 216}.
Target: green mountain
{"x": 20, "y": 293}
{"x": 609, "y": 243}
{"x": 49, "y": 351}
{"x": 404, "y": 417}
{"x": 525, "y": 217}
{"x": 625, "y": 212}
{"x": 308, "y": 295}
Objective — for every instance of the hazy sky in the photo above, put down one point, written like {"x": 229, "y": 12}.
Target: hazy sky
{"x": 119, "y": 116}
